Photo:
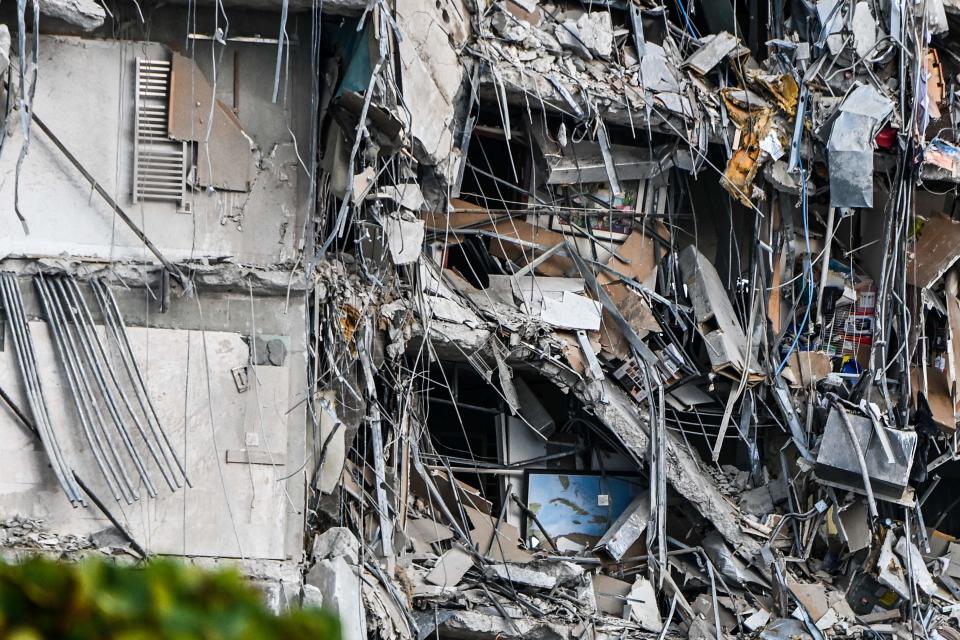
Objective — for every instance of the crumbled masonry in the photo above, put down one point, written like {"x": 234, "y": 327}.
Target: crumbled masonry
{"x": 539, "y": 319}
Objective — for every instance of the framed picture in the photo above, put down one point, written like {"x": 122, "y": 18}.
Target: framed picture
{"x": 577, "y": 505}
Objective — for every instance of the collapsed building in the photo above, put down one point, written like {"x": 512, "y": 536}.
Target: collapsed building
{"x": 512, "y": 319}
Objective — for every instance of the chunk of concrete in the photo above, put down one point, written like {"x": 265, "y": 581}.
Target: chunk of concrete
{"x": 449, "y": 570}
{"x": 4, "y": 49}
{"x": 432, "y": 75}
{"x": 864, "y": 27}
{"x": 86, "y": 14}
{"x": 596, "y": 32}
{"x": 339, "y": 588}
{"x": 405, "y": 239}
{"x": 332, "y": 434}
{"x": 757, "y": 501}
{"x": 474, "y": 623}
{"x": 312, "y": 597}
{"x": 568, "y": 35}
{"x": 520, "y": 575}
{"x": 704, "y": 59}
{"x": 641, "y": 606}
{"x": 336, "y": 542}
{"x": 913, "y": 559}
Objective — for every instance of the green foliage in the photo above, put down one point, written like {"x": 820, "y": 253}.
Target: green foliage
{"x": 164, "y": 600}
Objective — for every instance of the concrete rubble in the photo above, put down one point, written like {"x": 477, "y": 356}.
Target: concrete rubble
{"x": 532, "y": 320}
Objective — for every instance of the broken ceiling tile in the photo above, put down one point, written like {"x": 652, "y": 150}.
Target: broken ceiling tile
{"x": 812, "y": 596}
{"x": 757, "y": 620}
{"x": 406, "y": 195}
{"x": 427, "y": 530}
{"x": 405, "y": 239}
{"x": 710, "y": 54}
{"x": 450, "y": 568}
{"x": 805, "y": 367}
{"x": 890, "y": 571}
{"x": 641, "y": 606}
{"x": 505, "y": 547}
{"x": 855, "y": 526}
{"x": 913, "y": 559}
{"x": 571, "y": 311}
{"x": 935, "y": 387}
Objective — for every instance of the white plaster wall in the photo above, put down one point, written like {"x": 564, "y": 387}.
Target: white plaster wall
{"x": 232, "y": 510}
{"x": 85, "y": 96}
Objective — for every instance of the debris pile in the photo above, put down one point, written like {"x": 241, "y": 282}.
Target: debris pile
{"x": 670, "y": 344}
{"x": 620, "y": 319}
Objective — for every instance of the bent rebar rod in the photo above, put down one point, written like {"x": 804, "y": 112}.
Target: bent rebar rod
{"x": 110, "y": 308}
{"x": 70, "y": 371}
{"x": 98, "y": 422}
{"x": 87, "y": 349}
{"x": 26, "y": 357}
{"x": 172, "y": 481}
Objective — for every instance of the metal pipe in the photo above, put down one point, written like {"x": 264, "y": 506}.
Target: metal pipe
{"x": 109, "y": 304}
{"x": 113, "y": 520}
{"x": 130, "y": 494}
{"x": 23, "y": 341}
{"x": 478, "y": 470}
{"x": 97, "y": 422}
{"x": 172, "y": 482}
{"x": 69, "y": 369}
{"x": 526, "y": 510}
{"x": 468, "y": 407}
{"x": 87, "y": 349}
{"x": 110, "y": 323}
{"x": 26, "y": 357}
{"x": 825, "y": 267}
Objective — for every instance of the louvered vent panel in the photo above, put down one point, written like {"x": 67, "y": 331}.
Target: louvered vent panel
{"x": 159, "y": 162}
